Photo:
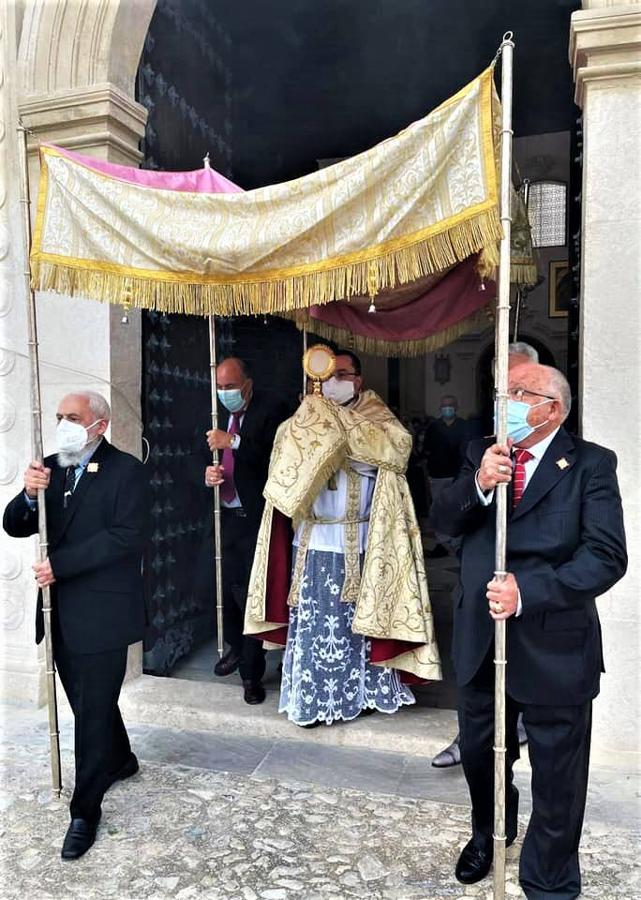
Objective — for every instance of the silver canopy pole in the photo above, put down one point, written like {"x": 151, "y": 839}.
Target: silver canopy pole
{"x": 218, "y": 555}
{"x": 304, "y": 352}
{"x": 502, "y": 341}
{"x": 37, "y": 454}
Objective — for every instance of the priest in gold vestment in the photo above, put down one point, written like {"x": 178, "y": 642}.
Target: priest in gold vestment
{"x": 348, "y": 596}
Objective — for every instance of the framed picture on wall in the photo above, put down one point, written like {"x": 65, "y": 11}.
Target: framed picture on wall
{"x": 560, "y": 289}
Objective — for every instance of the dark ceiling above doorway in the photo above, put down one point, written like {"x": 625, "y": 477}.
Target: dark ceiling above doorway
{"x": 329, "y": 78}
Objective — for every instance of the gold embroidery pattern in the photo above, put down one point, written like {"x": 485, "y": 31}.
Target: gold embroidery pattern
{"x": 255, "y": 620}
{"x": 392, "y": 598}
{"x": 309, "y": 448}
{"x": 408, "y": 207}
{"x": 352, "y": 582}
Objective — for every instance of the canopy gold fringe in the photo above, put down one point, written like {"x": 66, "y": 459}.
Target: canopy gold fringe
{"x": 344, "y": 338}
{"x": 273, "y": 292}
{"x": 524, "y": 274}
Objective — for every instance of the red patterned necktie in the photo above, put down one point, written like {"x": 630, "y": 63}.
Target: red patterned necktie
{"x": 228, "y": 487}
{"x": 520, "y": 459}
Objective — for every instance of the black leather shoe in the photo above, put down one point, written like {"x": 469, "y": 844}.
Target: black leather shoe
{"x": 125, "y": 771}
{"x": 254, "y": 692}
{"x": 79, "y": 837}
{"x": 473, "y": 864}
{"x": 227, "y": 663}
{"x": 448, "y": 757}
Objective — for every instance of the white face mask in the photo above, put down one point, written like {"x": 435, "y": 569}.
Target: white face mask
{"x": 339, "y": 391}
{"x": 72, "y": 437}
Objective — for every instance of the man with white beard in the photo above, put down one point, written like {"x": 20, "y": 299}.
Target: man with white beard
{"x": 96, "y": 503}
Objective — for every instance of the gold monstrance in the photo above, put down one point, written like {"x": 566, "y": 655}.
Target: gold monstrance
{"x": 319, "y": 364}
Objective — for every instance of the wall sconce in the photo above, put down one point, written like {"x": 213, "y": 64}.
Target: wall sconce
{"x": 442, "y": 368}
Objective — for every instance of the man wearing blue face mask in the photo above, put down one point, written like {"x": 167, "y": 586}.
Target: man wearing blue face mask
{"x": 565, "y": 547}
{"x": 248, "y": 420}
{"x": 96, "y": 501}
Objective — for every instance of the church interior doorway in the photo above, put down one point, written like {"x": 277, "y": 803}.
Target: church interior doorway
{"x": 208, "y": 90}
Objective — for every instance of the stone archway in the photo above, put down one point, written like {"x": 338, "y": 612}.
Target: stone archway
{"x": 69, "y": 45}
{"x": 67, "y": 69}
{"x": 76, "y": 70}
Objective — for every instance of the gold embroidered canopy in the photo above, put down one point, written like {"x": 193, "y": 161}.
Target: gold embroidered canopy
{"x": 410, "y": 207}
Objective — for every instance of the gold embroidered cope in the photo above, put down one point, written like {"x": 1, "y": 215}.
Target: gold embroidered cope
{"x": 390, "y": 594}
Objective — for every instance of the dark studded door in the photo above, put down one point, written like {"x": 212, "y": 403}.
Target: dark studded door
{"x": 176, "y": 399}
{"x": 189, "y": 116}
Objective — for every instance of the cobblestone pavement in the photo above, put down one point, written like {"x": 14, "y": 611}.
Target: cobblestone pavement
{"x": 176, "y": 831}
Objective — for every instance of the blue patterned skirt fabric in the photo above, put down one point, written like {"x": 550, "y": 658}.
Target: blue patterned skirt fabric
{"x": 326, "y": 671}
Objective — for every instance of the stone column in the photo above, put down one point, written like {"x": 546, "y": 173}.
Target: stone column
{"x": 18, "y": 663}
{"x": 605, "y": 51}
{"x": 88, "y": 107}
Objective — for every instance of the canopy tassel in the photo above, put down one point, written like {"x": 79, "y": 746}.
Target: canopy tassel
{"x": 372, "y": 286}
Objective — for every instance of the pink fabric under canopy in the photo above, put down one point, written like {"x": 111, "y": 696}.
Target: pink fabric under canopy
{"x": 200, "y": 181}
{"x": 408, "y": 313}
{"x": 453, "y": 298}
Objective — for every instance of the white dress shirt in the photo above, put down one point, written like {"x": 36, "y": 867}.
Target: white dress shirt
{"x": 537, "y": 451}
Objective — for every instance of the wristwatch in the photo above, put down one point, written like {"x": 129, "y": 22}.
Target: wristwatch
{"x": 235, "y": 441}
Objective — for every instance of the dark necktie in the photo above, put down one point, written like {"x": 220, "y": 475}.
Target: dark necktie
{"x": 228, "y": 487}
{"x": 70, "y": 484}
{"x": 520, "y": 459}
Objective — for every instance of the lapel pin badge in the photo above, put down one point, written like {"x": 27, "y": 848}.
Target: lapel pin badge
{"x": 562, "y": 463}
{"x": 93, "y": 467}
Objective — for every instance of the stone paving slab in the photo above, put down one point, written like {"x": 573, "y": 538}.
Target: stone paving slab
{"x": 174, "y": 831}
{"x": 218, "y": 707}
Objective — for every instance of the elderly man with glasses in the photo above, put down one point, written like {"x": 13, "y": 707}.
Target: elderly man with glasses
{"x": 565, "y": 547}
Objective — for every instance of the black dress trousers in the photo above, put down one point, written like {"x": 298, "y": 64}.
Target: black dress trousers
{"x": 239, "y": 545}
{"x": 559, "y": 750}
{"x": 92, "y": 683}
{"x": 476, "y": 728}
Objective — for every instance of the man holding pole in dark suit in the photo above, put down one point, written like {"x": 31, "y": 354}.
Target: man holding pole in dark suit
{"x": 96, "y": 505}
{"x": 565, "y": 547}
{"x": 248, "y": 423}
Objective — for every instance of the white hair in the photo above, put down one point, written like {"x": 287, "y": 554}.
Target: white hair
{"x": 97, "y": 404}
{"x": 558, "y": 386}
{"x": 524, "y": 349}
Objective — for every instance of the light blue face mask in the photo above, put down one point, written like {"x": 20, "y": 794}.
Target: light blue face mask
{"x": 232, "y": 400}
{"x": 448, "y": 412}
{"x": 518, "y": 427}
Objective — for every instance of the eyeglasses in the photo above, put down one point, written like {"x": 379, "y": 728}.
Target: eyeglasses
{"x": 517, "y": 394}
{"x": 342, "y": 375}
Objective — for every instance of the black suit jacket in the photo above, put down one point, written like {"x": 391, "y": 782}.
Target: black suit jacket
{"x": 565, "y": 546}
{"x": 95, "y": 550}
{"x": 251, "y": 460}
